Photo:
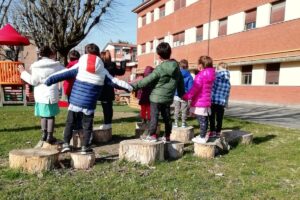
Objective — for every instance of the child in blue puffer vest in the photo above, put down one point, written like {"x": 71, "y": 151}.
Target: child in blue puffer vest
{"x": 90, "y": 78}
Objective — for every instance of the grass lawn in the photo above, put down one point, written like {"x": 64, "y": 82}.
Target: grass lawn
{"x": 267, "y": 169}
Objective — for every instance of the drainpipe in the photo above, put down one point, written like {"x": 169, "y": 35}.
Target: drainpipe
{"x": 209, "y": 21}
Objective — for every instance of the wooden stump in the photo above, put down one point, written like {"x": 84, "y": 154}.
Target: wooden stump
{"x": 206, "y": 150}
{"x": 33, "y": 160}
{"x": 77, "y": 139}
{"x": 184, "y": 135}
{"x": 101, "y": 136}
{"x": 237, "y": 136}
{"x": 56, "y": 146}
{"x": 141, "y": 151}
{"x": 140, "y": 128}
{"x": 79, "y": 161}
{"x": 174, "y": 149}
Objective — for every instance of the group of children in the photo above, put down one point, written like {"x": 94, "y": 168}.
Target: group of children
{"x": 90, "y": 77}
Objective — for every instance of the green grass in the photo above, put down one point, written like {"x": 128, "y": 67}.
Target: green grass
{"x": 267, "y": 169}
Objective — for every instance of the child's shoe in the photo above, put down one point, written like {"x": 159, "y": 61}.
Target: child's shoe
{"x": 175, "y": 125}
{"x": 44, "y": 135}
{"x": 198, "y": 139}
{"x": 50, "y": 138}
{"x": 212, "y": 134}
{"x": 184, "y": 125}
{"x": 85, "y": 150}
{"x": 65, "y": 148}
{"x": 105, "y": 126}
{"x": 152, "y": 138}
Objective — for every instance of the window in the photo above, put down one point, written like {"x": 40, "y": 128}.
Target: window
{"x": 178, "y": 39}
{"x": 247, "y": 74}
{"x": 272, "y": 73}
{"x": 199, "y": 33}
{"x": 277, "y": 12}
{"x": 222, "y": 27}
{"x": 151, "y": 46}
{"x": 162, "y": 11}
{"x": 144, "y": 20}
{"x": 143, "y": 48}
{"x": 250, "y": 21}
{"x": 179, "y": 4}
{"x": 160, "y": 40}
{"x": 152, "y": 16}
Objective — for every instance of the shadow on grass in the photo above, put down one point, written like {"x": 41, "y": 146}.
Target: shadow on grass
{"x": 259, "y": 140}
{"x": 19, "y": 129}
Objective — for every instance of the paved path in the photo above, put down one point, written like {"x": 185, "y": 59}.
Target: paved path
{"x": 280, "y": 116}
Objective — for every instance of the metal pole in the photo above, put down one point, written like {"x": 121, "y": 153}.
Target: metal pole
{"x": 209, "y": 21}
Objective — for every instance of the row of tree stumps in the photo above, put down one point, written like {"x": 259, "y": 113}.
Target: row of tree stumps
{"x": 48, "y": 156}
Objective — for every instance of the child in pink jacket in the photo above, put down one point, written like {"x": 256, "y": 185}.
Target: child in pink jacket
{"x": 200, "y": 96}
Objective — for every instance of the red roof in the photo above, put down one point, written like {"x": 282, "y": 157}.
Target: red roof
{"x": 9, "y": 36}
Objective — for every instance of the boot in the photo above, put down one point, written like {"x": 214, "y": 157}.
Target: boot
{"x": 44, "y": 135}
{"x": 50, "y": 138}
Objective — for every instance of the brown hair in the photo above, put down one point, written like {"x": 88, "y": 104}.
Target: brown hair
{"x": 205, "y": 61}
{"x": 184, "y": 64}
{"x": 222, "y": 65}
{"x": 107, "y": 56}
{"x": 92, "y": 49}
{"x": 74, "y": 55}
{"x": 102, "y": 55}
{"x": 46, "y": 51}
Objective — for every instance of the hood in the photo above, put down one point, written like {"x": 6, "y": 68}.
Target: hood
{"x": 148, "y": 70}
{"x": 223, "y": 75}
{"x": 169, "y": 67}
{"x": 209, "y": 74}
{"x": 71, "y": 63}
{"x": 185, "y": 73}
{"x": 45, "y": 63}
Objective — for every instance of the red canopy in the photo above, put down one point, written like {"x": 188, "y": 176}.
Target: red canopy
{"x": 9, "y": 36}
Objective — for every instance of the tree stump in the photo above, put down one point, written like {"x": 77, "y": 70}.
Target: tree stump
{"x": 77, "y": 139}
{"x": 101, "y": 136}
{"x": 33, "y": 160}
{"x": 140, "y": 151}
{"x": 56, "y": 146}
{"x": 237, "y": 136}
{"x": 184, "y": 135}
{"x": 206, "y": 150}
{"x": 80, "y": 161}
{"x": 141, "y": 127}
{"x": 174, "y": 149}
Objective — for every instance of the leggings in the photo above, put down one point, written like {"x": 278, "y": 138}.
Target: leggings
{"x": 47, "y": 124}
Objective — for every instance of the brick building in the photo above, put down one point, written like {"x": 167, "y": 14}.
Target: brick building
{"x": 259, "y": 39}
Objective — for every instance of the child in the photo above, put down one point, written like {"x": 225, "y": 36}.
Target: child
{"x": 180, "y": 105}
{"x": 143, "y": 96}
{"x": 46, "y": 98}
{"x": 200, "y": 95}
{"x": 90, "y": 77}
{"x": 166, "y": 78}
{"x": 68, "y": 84}
{"x": 220, "y": 95}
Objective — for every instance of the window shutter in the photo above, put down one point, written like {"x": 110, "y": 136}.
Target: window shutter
{"x": 272, "y": 73}
{"x": 277, "y": 13}
{"x": 223, "y": 27}
{"x": 250, "y": 16}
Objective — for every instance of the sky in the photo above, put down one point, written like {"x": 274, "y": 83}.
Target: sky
{"x": 120, "y": 24}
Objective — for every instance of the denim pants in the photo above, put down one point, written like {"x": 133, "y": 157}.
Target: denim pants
{"x": 87, "y": 125}
{"x": 203, "y": 122}
{"x": 164, "y": 109}
{"x": 217, "y": 113}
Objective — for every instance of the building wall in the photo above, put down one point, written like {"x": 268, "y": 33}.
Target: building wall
{"x": 289, "y": 74}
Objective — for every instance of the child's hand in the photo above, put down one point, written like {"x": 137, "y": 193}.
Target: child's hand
{"x": 21, "y": 68}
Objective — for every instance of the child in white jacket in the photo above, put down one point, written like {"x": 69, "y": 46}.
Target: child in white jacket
{"x": 46, "y": 97}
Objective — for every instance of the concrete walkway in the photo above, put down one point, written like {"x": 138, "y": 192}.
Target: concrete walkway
{"x": 279, "y": 116}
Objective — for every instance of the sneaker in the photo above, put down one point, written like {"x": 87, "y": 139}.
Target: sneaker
{"x": 175, "y": 125}
{"x": 150, "y": 139}
{"x": 184, "y": 125}
{"x": 198, "y": 139}
{"x": 207, "y": 136}
{"x": 65, "y": 148}
{"x": 212, "y": 134}
{"x": 85, "y": 150}
{"x": 105, "y": 126}
{"x": 165, "y": 139}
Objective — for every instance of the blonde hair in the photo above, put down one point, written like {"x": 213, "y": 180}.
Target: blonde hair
{"x": 222, "y": 65}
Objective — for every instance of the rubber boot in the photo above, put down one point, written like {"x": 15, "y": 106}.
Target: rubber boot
{"x": 44, "y": 135}
{"x": 50, "y": 138}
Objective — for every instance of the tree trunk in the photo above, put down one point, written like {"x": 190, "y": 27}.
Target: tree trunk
{"x": 33, "y": 160}
{"x": 174, "y": 150}
{"x": 140, "y": 151}
{"x": 102, "y": 136}
{"x": 237, "y": 136}
{"x": 79, "y": 161}
{"x": 55, "y": 146}
{"x": 206, "y": 150}
{"x": 184, "y": 135}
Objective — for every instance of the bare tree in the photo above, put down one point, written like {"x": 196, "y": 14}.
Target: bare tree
{"x": 4, "y": 5}
{"x": 62, "y": 24}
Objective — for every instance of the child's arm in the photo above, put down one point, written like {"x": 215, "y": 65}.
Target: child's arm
{"x": 62, "y": 75}
{"x": 180, "y": 85}
{"x": 121, "y": 71}
{"x": 146, "y": 81}
{"x": 194, "y": 90}
{"x": 114, "y": 81}
{"x": 29, "y": 78}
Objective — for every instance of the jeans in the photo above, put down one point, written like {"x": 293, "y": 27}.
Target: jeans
{"x": 217, "y": 113}
{"x": 107, "y": 111}
{"x": 203, "y": 122}
{"x": 87, "y": 125}
{"x": 164, "y": 109}
{"x": 181, "y": 106}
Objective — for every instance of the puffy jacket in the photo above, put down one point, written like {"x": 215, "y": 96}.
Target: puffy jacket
{"x": 108, "y": 91}
{"x": 90, "y": 77}
{"x": 187, "y": 79}
{"x": 144, "y": 93}
{"x": 166, "y": 78}
{"x": 40, "y": 70}
{"x": 200, "y": 93}
{"x": 68, "y": 84}
{"x": 221, "y": 88}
